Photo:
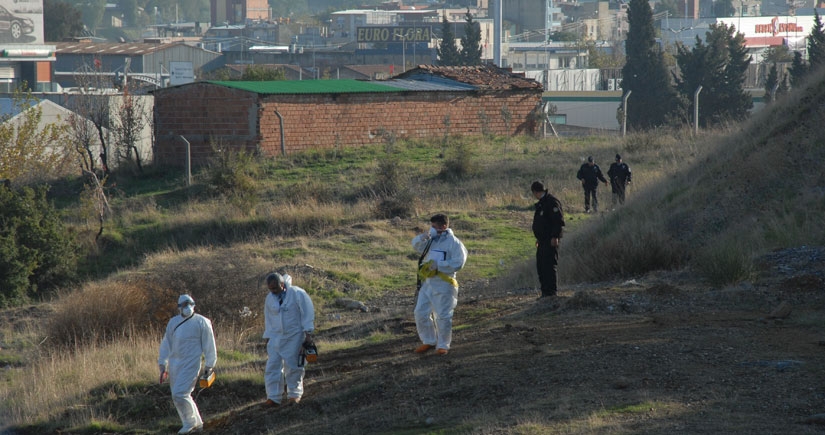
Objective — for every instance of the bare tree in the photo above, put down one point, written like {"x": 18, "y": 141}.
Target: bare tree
{"x": 84, "y": 141}
{"x": 88, "y": 126}
{"x": 94, "y": 195}
{"x": 129, "y": 120}
{"x": 92, "y": 104}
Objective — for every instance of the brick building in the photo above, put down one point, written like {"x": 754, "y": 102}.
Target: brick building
{"x": 282, "y": 117}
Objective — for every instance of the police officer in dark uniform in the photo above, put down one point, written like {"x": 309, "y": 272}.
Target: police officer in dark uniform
{"x": 590, "y": 174}
{"x": 619, "y": 175}
{"x": 548, "y": 223}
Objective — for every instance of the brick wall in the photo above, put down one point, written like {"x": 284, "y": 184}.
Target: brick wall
{"x": 312, "y": 121}
{"x": 204, "y": 114}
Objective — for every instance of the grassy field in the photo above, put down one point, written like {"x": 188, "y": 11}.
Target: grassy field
{"x": 341, "y": 222}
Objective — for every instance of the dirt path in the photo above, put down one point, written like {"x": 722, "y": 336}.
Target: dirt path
{"x": 660, "y": 354}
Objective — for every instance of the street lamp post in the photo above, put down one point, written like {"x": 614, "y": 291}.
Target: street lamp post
{"x": 696, "y": 110}
{"x": 415, "y": 42}
{"x": 741, "y": 11}
{"x": 624, "y": 112}
{"x": 314, "y": 72}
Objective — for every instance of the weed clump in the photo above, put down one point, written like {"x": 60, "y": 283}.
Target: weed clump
{"x": 460, "y": 163}
{"x": 725, "y": 264}
{"x": 392, "y": 191}
{"x": 234, "y": 175}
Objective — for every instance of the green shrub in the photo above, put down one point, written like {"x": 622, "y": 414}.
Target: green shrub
{"x": 402, "y": 204}
{"x": 234, "y": 175}
{"x": 460, "y": 163}
{"x": 37, "y": 252}
{"x": 389, "y": 179}
{"x": 392, "y": 188}
{"x": 14, "y": 270}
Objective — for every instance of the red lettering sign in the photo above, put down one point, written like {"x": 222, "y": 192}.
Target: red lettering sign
{"x": 776, "y": 27}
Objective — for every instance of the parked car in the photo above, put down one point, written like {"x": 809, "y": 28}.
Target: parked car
{"x": 14, "y": 26}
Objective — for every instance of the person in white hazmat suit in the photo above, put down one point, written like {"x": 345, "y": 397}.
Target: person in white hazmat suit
{"x": 442, "y": 256}
{"x": 188, "y": 338}
{"x": 289, "y": 319}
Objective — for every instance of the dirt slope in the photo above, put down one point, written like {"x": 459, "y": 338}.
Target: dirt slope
{"x": 658, "y": 354}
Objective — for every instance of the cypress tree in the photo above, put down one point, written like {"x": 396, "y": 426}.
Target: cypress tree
{"x": 645, "y": 73}
{"x": 737, "y": 102}
{"x": 448, "y": 54}
{"x": 471, "y": 42}
{"x": 816, "y": 44}
{"x": 798, "y": 69}
{"x": 770, "y": 81}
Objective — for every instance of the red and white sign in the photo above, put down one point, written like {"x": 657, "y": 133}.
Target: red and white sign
{"x": 785, "y": 26}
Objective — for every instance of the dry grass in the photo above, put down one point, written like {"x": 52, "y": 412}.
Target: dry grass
{"x": 694, "y": 201}
{"x": 109, "y": 311}
{"x": 47, "y": 388}
{"x": 736, "y": 187}
{"x": 51, "y": 388}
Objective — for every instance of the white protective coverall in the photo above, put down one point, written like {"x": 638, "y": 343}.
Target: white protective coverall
{"x": 286, "y": 325}
{"x": 185, "y": 341}
{"x": 438, "y": 298}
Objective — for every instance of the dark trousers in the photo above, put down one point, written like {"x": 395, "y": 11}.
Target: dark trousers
{"x": 618, "y": 193}
{"x": 588, "y": 192}
{"x": 547, "y": 260}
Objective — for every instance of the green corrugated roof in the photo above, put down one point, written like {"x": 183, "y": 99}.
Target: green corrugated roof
{"x": 308, "y": 86}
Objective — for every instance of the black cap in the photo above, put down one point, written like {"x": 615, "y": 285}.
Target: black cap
{"x": 618, "y": 157}
{"x": 589, "y": 158}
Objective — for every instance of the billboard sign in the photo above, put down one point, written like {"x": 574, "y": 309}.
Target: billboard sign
{"x": 394, "y": 34}
{"x": 21, "y": 21}
{"x": 181, "y": 73}
{"x": 785, "y": 26}
{"x": 793, "y": 29}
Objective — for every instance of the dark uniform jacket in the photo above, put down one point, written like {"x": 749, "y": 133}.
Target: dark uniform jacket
{"x": 591, "y": 175}
{"x": 619, "y": 173}
{"x": 548, "y": 220}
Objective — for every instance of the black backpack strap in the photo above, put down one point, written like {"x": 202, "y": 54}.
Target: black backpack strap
{"x": 420, "y": 260}
{"x": 181, "y": 323}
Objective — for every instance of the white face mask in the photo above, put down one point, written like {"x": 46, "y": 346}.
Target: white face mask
{"x": 433, "y": 232}
{"x": 187, "y": 311}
